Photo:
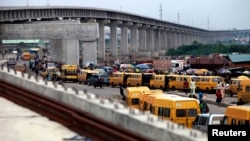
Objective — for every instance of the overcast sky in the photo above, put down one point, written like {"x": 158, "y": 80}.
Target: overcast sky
{"x": 206, "y": 14}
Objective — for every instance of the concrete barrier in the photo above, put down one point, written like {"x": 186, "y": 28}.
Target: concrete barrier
{"x": 145, "y": 124}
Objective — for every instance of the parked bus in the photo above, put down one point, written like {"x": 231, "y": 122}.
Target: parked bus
{"x": 138, "y": 79}
{"x": 237, "y": 115}
{"x": 243, "y": 94}
{"x": 159, "y": 81}
{"x": 207, "y": 83}
{"x": 176, "y": 81}
{"x": 117, "y": 79}
{"x": 133, "y": 95}
{"x": 145, "y": 94}
{"x": 150, "y": 100}
{"x": 181, "y": 110}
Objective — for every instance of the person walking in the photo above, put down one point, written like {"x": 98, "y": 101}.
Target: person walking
{"x": 227, "y": 92}
{"x": 192, "y": 87}
{"x": 222, "y": 91}
{"x": 203, "y": 106}
{"x": 121, "y": 92}
{"x": 185, "y": 86}
{"x": 218, "y": 98}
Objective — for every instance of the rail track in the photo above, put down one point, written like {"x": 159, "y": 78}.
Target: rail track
{"x": 75, "y": 119}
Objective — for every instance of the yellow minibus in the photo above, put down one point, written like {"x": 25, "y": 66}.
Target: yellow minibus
{"x": 207, "y": 83}
{"x": 176, "y": 81}
{"x": 181, "y": 110}
{"x": 237, "y": 115}
{"x": 148, "y": 104}
{"x": 117, "y": 79}
{"x": 243, "y": 94}
{"x": 133, "y": 95}
{"x": 233, "y": 86}
{"x": 159, "y": 81}
{"x": 145, "y": 94}
{"x": 138, "y": 79}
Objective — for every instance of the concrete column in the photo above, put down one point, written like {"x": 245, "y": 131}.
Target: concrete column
{"x": 162, "y": 39}
{"x": 113, "y": 40}
{"x": 150, "y": 40}
{"x": 134, "y": 38}
{"x": 142, "y": 38}
{"x": 124, "y": 40}
{"x": 65, "y": 51}
{"x": 101, "y": 49}
{"x": 55, "y": 50}
{"x": 169, "y": 39}
{"x": 174, "y": 39}
{"x": 157, "y": 39}
{"x": 89, "y": 51}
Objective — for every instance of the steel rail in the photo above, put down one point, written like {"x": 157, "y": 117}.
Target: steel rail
{"x": 75, "y": 119}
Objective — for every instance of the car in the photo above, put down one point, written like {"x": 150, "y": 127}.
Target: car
{"x": 95, "y": 80}
{"x": 202, "y": 121}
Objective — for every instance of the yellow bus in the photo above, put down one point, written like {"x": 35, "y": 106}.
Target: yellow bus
{"x": 26, "y": 56}
{"x": 148, "y": 104}
{"x": 159, "y": 81}
{"x": 176, "y": 81}
{"x": 237, "y": 115}
{"x": 138, "y": 79}
{"x": 133, "y": 95}
{"x": 233, "y": 86}
{"x": 181, "y": 110}
{"x": 243, "y": 94}
{"x": 145, "y": 94}
{"x": 69, "y": 73}
{"x": 117, "y": 79}
{"x": 84, "y": 74}
{"x": 207, "y": 83}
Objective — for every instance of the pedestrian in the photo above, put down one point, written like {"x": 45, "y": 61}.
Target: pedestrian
{"x": 218, "y": 98}
{"x": 101, "y": 80}
{"x": 227, "y": 92}
{"x": 121, "y": 92}
{"x": 200, "y": 96}
{"x": 185, "y": 86}
{"x": 222, "y": 91}
{"x": 218, "y": 86}
{"x": 203, "y": 106}
{"x": 192, "y": 87}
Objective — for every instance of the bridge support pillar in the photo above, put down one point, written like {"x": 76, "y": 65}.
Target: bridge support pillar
{"x": 65, "y": 51}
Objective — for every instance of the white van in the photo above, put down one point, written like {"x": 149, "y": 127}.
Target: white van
{"x": 202, "y": 121}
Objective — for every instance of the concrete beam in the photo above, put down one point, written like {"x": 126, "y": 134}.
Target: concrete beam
{"x": 46, "y": 30}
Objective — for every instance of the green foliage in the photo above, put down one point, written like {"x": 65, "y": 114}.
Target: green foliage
{"x": 200, "y": 49}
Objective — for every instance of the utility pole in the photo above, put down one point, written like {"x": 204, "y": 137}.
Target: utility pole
{"x": 27, "y": 2}
{"x": 178, "y": 18}
{"x": 160, "y": 11}
{"x": 47, "y": 4}
{"x": 208, "y": 22}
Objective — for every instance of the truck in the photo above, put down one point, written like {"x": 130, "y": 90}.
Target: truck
{"x": 202, "y": 121}
{"x": 176, "y": 65}
{"x": 11, "y": 59}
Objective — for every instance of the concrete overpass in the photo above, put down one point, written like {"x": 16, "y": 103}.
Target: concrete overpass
{"x": 146, "y": 34}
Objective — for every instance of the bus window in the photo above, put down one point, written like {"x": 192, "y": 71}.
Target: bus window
{"x": 180, "y": 113}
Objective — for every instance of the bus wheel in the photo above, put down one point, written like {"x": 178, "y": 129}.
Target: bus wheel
{"x": 112, "y": 84}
